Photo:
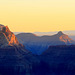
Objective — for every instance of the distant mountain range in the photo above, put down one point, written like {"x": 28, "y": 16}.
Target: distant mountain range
{"x": 69, "y": 32}
{"x": 38, "y": 44}
{"x": 54, "y": 55}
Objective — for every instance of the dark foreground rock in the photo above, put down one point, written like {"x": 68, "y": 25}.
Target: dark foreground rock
{"x": 57, "y": 60}
{"x": 16, "y": 61}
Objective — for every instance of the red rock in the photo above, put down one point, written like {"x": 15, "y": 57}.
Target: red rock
{"x": 7, "y": 37}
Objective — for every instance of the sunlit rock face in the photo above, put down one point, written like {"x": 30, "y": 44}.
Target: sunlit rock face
{"x": 65, "y": 38}
{"x": 7, "y": 37}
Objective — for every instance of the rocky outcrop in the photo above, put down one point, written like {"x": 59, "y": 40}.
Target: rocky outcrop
{"x": 65, "y": 38}
{"x": 7, "y": 37}
{"x": 14, "y": 59}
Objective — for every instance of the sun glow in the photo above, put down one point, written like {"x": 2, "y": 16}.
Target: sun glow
{"x": 38, "y": 15}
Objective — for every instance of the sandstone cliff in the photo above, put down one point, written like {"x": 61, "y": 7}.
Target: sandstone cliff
{"x": 7, "y": 37}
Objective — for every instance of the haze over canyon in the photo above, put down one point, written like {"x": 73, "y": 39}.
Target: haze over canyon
{"x": 29, "y": 54}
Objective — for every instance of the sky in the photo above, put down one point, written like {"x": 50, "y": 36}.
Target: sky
{"x": 38, "y": 15}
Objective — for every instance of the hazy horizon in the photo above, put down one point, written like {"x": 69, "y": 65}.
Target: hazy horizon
{"x": 70, "y": 33}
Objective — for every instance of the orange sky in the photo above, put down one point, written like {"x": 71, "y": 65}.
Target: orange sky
{"x": 38, "y": 15}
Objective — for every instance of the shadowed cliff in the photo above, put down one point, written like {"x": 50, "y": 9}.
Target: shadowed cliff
{"x": 37, "y": 44}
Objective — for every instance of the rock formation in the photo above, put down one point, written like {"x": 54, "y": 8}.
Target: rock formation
{"x": 7, "y": 37}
